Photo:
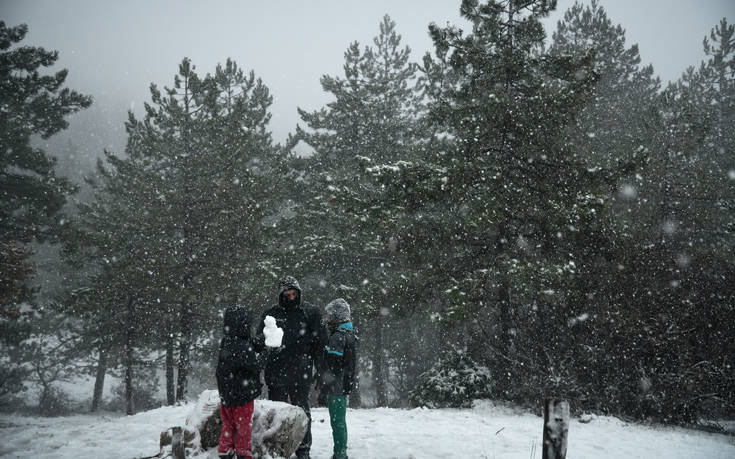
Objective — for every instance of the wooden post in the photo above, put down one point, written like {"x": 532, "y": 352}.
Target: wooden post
{"x": 177, "y": 443}
{"x": 556, "y": 427}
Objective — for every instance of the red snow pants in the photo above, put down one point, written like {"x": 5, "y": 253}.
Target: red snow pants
{"x": 237, "y": 430}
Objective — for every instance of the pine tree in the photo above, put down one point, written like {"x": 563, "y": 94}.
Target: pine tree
{"x": 618, "y": 128}
{"x": 33, "y": 104}
{"x": 620, "y": 115}
{"x": 31, "y": 195}
{"x": 508, "y": 200}
{"x": 374, "y": 119}
{"x": 688, "y": 252}
{"x": 182, "y": 220}
{"x": 643, "y": 329}
{"x": 111, "y": 239}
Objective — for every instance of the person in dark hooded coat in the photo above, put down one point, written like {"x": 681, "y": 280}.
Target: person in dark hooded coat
{"x": 238, "y": 382}
{"x": 289, "y": 371}
{"x": 339, "y": 377}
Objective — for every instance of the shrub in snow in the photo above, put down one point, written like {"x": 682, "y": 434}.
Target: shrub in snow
{"x": 54, "y": 402}
{"x": 145, "y": 387}
{"x": 453, "y": 381}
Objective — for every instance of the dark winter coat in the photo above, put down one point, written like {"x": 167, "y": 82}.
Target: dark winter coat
{"x": 339, "y": 376}
{"x": 304, "y": 337}
{"x": 238, "y": 366}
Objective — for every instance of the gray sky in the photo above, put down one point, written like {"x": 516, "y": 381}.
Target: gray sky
{"x": 115, "y": 49}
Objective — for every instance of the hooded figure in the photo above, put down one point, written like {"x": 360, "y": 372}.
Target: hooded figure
{"x": 289, "y": 369}
{"x": 304, "y": 337}
{"x": 238, "y": 366}
{"x": 288, "y": 283}
{"x": 339, "y": 376}
{"x": 238, "y": 382}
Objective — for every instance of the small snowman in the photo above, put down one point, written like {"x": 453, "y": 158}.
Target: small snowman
{"x": 273, "y": 334}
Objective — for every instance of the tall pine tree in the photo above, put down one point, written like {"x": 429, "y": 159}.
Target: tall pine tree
{"x": 33, "y": 104}
{"x": 190, "y": 199}
{"x": 507, "y": 202}
{"x": 374, "y": 119}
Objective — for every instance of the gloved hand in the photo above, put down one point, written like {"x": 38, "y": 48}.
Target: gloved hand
{"x": 275, "y": 350}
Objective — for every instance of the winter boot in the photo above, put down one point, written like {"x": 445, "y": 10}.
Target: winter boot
{"x": 228, "y": 455}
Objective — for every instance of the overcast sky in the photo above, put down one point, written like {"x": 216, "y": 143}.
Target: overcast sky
{"x": 115, "y": 49}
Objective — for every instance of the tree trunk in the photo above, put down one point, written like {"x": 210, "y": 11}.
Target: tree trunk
{"x": 129, "y": 329}
{"x": 184, "y": 349}
{"x": 170, "y": 384}
{"x": 185, "y": 315}
{"x": 556, "y": 427}
{"x": 99, "y": 381}
{"x": 43, "y": 402}
{"x": 503, "y": 382}
{"x": 381, "y": 397}
{"x": 355, "y": 400}
{"x": 505, "y": 323}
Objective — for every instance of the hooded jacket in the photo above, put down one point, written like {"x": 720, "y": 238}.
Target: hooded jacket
{"x": 339, "y": 376}
{"x": 238, "y": 365}
{"x": 304, "y": 337}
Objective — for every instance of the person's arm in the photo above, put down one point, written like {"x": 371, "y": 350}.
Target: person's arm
{"x": 227, "y": 362}
{"x": 350, "y": 367}
{"x": 320, "y": 338}
{"x": 335, "y": 353}
{"x": 251, "y": 361}
{"x": 240, "y": 355}
{"x": 321, "y": 377}
{"x": 258, "y": 339}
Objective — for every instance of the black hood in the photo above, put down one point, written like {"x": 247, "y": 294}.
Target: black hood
{"x": 237, "y": 322}
{"x": 288, "y": 283}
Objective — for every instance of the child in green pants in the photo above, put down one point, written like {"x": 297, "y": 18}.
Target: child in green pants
{"x": 339, "y": 376}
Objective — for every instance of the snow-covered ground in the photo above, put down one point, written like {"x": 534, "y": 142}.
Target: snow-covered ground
{"x": 485, "y": 431}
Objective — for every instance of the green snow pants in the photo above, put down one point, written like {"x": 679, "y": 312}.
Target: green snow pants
{"x": 337, "y": 417}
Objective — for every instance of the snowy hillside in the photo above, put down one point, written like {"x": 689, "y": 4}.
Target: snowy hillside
{"x": 486, "y": 431}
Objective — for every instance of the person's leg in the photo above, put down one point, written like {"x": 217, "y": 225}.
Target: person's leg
{"x": 244, "y": 430}
{"x": 226, "y": 437}
{"x": 338, "y": 420}
{"x": 300, "y": 397}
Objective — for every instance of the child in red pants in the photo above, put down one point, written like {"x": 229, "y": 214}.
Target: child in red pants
{"x": 238, "y": 382}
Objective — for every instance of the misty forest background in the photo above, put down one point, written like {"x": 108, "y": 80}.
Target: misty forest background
{"x": 510, "y": 216}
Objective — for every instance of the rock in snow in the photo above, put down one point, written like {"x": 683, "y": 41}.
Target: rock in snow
{"x": 278, "y": 428}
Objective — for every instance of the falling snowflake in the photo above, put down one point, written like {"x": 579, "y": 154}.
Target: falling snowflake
{"x": 628, "y": 191}
{"x": 683, "y": 260}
